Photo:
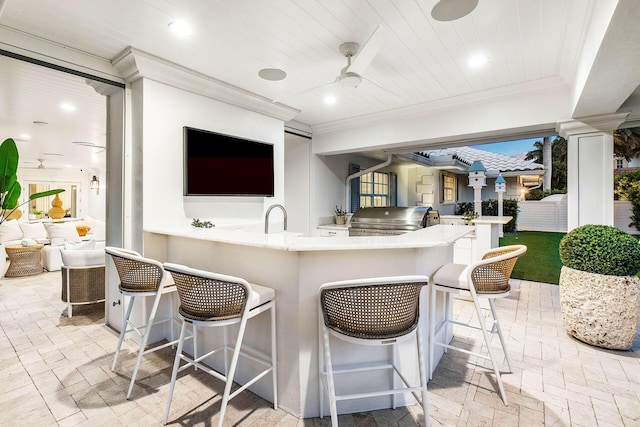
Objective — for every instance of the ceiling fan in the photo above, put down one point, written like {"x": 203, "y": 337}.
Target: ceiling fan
{"x": 358, "y": 59}
{"x": 40, "y": 165}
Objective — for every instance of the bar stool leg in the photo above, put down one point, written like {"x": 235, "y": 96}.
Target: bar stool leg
{"x": 496, "y": 322}
{"x": 485, "y": 334}
{"x": 123, "y": 330}
{"x": 274, "y": 357}
{"x": 145, "y": 340}
{"x": 232, "y": 371}
{"x": 432, "y": 327}
{"x": 423, "y": 376}
{"x": 333, "y": 408}
{"x": 174, "y": 373}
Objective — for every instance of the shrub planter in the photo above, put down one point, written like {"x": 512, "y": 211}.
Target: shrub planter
{"x": 598, "y": 309}
{"x": 599, "y": 285}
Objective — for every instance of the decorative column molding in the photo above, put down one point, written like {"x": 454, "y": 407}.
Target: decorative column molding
{"x": 583, "y": 125}
{"x": 134, "y": 64}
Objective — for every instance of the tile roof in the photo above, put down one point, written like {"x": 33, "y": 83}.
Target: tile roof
{"x": 491, "y": 161}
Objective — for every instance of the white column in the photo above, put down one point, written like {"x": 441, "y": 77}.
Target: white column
{"x": 590, "y": 169}
{"x": 477, "y": 200}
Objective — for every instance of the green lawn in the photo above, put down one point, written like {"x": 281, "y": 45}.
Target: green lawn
{"x": 541, "y": 262}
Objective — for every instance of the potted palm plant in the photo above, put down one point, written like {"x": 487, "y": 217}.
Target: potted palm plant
{"x": 10, "y": 188}
{"x": 599, "y": 285}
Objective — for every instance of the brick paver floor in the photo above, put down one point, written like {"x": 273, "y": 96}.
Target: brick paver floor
{"x": 56, "y": 371}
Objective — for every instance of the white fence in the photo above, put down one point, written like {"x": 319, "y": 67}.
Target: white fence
{"x": 538, "y": 215}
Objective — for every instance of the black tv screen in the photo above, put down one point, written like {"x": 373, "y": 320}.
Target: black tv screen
{"x": 224, "y": 165}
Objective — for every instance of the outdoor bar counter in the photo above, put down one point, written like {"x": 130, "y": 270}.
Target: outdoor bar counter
{"x": 296, "y": 266}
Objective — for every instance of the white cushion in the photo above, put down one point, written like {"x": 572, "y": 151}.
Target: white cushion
{"x": 28, "y": 242}
{"x": 260, "y": 295}
{"x": 452, "y": 275}
{"x": 79, "y": 258}
{"x": 89, "y": 244}
{"x": 59, "y": 232}
{"x": 34, "y": 230}
{"x": 10, "y": 230}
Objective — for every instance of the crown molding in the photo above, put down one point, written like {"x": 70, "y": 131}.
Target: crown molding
{"x": 134, "y": 64}
{"x": 492, "y": 95}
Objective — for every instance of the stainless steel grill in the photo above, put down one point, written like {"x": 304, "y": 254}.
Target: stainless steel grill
{"x": 381, "y": 221}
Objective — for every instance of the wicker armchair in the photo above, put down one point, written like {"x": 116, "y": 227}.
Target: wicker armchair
{"x": 374, "y": 312}
{"x": 83, "y": 279}
{"x": 485, "y": 279}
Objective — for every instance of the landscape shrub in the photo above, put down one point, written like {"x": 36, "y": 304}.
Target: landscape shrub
{"x": 490, "y": 207}
{"x": 601, "y": 249}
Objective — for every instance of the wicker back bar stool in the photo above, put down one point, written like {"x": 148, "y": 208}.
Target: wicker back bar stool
{"x": 372, "y": 312}
{"x": 485, "y": 279}
{"x": 140, "y": 277}
{"x": 215, "y": 300}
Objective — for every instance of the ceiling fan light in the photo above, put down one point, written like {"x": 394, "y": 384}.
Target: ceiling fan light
{"x": 450, "y": 10}
{"x": 350, "y": 80}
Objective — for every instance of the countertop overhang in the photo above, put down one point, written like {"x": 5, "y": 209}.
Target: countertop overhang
{"x": 437, "y": 235}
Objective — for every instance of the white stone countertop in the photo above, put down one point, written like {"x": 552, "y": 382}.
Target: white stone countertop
{"x": 483, "y": 219}
{"x": 437, "y": 235}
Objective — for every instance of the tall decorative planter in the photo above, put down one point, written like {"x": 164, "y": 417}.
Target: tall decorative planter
{"x": 599, "y": 286}
{"x": 598, "y": 309}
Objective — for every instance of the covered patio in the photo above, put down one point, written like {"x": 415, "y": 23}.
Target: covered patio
{"x": 56, "y": 371}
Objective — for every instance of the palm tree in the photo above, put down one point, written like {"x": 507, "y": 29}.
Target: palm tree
{"x": 626, "y": 143}
{"x": 536, "y": 154}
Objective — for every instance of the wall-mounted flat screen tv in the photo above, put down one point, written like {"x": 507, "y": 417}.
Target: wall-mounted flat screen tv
{"x": 223, "y": 165}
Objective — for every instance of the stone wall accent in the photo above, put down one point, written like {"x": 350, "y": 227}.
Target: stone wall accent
{"x": 600, "y": 310}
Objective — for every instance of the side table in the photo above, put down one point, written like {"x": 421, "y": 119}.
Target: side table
{"x": 24, "y": 260}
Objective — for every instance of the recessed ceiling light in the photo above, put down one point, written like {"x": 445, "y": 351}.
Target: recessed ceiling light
{"x": 25, "y": 136}
{"x": 478, "y": 60}
{"x": 66, "y": 106}
{"x": 40, "y": 123}
{"x": 330, "y": 100}
{"x": 180, "y": 28}
{"x": 273, "y": 74}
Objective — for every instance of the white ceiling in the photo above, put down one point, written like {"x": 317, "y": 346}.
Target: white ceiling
{"x": 421, "y": 60}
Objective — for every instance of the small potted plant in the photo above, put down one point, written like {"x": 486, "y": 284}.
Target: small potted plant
{"x": 340, "y": 215}
{"x": 599, "y": 286}
{"x": 468, "y": 217}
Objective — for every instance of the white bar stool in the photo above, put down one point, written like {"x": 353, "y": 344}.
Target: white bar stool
{"x": 487, "y": 279}
{"x": 215, "y": 300}
{"x": 140, "y": 277}
{"x": 372, "y": 312}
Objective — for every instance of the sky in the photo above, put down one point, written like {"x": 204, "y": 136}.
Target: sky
{"x": 510, "y": 148}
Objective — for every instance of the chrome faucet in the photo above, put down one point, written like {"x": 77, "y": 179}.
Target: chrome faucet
{"x": 266, "y": 217}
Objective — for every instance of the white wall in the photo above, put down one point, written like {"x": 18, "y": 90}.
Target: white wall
{"x": 297, "y": 160}
{"x": 166, "y": 110}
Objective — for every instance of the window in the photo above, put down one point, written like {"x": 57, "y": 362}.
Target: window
{"x": 619, "y": 163}
{"x": 449, "y": 187}
{"x": 374, "y": 189}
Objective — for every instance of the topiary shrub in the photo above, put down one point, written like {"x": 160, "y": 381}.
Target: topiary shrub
{"x": 601, "y": 249}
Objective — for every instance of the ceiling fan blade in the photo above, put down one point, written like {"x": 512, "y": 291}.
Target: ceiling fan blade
{"x": 378, "y": 85}
{"x": 275, "y": 101}
{"x": 369, "y": 50}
